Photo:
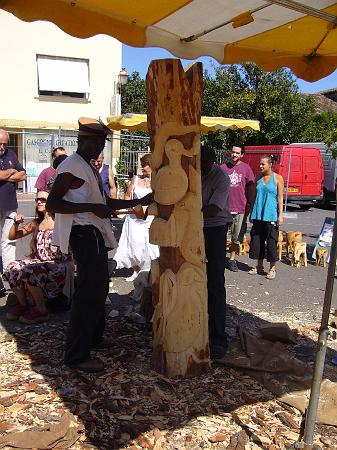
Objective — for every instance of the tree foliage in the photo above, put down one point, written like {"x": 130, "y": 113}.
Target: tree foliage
{"x": 246, "y": 92}
{"x": 133, "y": 100}
{"x": 321, "y": 126}
{"x": 133, "y": 96}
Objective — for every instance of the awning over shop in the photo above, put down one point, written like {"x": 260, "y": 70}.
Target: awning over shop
{"x": 139, "y": 122}
{"x": 37, "y": 125}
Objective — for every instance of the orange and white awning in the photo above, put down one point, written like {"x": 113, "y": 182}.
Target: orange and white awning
{"x": 301, "y": 35}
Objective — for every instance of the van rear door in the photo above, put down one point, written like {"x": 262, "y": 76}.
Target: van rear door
{"x": 312, "y": 172}
{"x": 291, "y": 166}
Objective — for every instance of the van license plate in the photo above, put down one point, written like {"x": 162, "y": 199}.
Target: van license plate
{"x": 292, "y": 189}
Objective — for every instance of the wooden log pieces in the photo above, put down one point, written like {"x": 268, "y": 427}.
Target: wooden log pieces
{"x": 180, "y": 320}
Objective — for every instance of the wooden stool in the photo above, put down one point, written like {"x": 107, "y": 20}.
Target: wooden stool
{"x": 246, "y": 243}
{"x": 281, "y": 245}
{"x": 244, "y": 246}
{"x": 299, "y": 254}
{"x": 292, "y": 237}
{"x": 321, "y": 255}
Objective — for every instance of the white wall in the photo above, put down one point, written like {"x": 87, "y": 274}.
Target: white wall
{"x": 20, "y": 42}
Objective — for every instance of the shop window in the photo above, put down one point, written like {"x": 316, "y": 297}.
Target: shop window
{"x": 60, "y": 76}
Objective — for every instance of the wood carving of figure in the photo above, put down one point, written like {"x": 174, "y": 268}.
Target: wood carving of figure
{"x": 177, "y": 318}
{"x": 180, "y": 325}
{"x": 186, "y": 217}
{"x": 170, "y": 183}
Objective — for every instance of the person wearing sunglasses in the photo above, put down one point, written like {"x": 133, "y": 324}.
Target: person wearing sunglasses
{"x": 42, "y": 275}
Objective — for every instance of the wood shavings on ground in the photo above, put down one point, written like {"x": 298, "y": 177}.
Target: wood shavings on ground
{"x": 131, "y": 406}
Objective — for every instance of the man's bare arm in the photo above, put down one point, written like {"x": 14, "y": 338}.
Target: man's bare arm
{"x": 250, "y": 195}
{"x": 120, "y": 204}
{"x": 57, "y": 204}
{"x": 128, "y": 193}
{"x": 113, "y": 189}
{"x": 18, "y": 176}
{"x": 6, "y": 174}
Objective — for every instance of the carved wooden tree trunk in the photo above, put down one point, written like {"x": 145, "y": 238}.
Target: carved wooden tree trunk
{"x": 180, "y": 320}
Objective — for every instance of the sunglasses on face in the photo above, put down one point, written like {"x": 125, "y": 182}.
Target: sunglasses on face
{"x": 41, "y": 200}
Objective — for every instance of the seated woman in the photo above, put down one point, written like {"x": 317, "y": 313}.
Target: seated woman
{"x": 41, "y": 276}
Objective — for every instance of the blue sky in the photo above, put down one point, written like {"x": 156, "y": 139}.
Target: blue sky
{"x": 139, "y": 58}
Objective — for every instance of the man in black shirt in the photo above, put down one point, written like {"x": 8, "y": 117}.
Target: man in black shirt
{"x": 11, "y": 172}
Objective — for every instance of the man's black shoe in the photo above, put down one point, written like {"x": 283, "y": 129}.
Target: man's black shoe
{"x": 88, "y": 366}
{"x": 3, "y": 292}
{"x": 218, "y": 351}
{"x": 232, "y": 266}
{"x": 103, "y": 345}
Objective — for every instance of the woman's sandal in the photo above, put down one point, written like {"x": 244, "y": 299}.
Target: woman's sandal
{"x": 271, "y": 274}
{"x": 256, "y": 271}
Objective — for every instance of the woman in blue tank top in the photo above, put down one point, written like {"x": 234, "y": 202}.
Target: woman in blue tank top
{"x": 267, "y": 216}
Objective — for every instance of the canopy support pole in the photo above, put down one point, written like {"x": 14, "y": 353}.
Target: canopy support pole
{"x": 321, "y": 346}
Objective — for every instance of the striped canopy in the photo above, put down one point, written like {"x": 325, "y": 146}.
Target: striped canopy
{"x": 273, "y": 33}
{"x": 139, "y": 122}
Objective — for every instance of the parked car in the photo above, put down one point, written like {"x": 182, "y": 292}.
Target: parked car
{"x": 300, "y": 166}
{"x": 330, "y": 172}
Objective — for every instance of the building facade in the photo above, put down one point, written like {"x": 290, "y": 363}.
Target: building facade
{"x": 49, "y": 79}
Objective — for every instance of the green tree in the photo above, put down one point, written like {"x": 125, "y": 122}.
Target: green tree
{"x": 133, "y": 100}
{"x": 245, "y": 91}
{"x": 321, "y": 127}
{"x": 133, "y": 95}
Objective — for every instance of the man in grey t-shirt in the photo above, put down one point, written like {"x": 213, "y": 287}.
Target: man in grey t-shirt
{"x": 217, "y": 218}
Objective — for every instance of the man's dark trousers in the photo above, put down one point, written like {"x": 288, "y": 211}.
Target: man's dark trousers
{"x": 87, "y": 317}
{"x": 215, "y": 247}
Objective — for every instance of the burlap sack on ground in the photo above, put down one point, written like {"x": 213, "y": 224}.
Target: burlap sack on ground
{"x": 58, "y": 436}
{"x": 282, "y": 374}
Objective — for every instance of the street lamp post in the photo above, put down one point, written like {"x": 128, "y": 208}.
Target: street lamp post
{"x": 115, "y": 110}
{"x": 121, "y": 80}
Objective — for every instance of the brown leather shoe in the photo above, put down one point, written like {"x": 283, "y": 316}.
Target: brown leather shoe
{"x": 88, "y": 366}
{"x": 16, "y": 311}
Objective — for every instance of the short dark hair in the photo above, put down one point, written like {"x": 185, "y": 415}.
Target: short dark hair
{"x": 55, "y": 150}
{"x": 57, "y": 161}
{"x": 208, "y": 152}
{"x": 238, "y": 145}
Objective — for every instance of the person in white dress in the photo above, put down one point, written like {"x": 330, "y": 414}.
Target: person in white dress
{"x": 134, "y": 249}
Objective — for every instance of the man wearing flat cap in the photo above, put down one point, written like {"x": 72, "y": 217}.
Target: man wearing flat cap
{"x": 82, "y": 224}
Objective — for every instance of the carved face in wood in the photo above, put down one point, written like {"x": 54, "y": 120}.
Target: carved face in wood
{"x": 171, "y": 182}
